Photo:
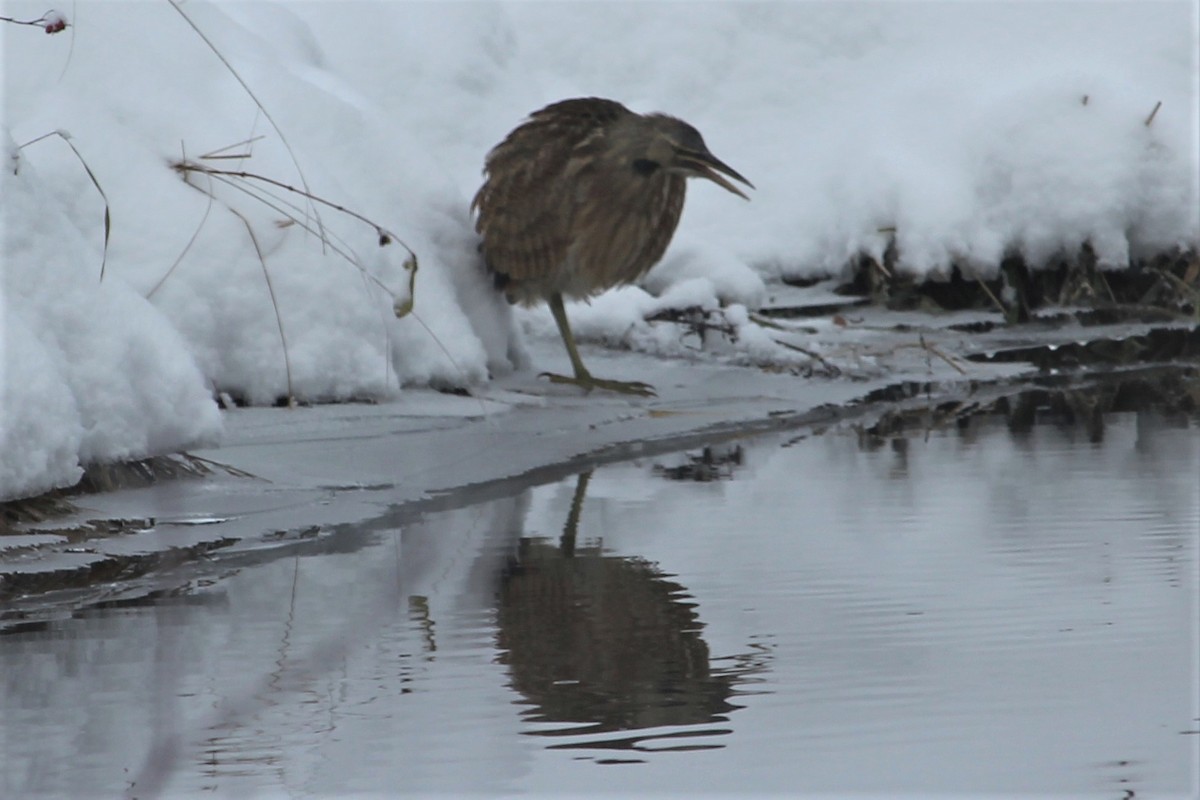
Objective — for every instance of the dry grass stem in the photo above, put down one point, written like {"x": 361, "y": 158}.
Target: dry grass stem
{"x": 186, "y": 248}
{"x": 385, "y": 236}
{"x": 294, "y": 214}
{"x": 287, "y": 362}
{"x": 991, "y": 295}
{"x": 833, "y": 370}
{"x": 1180, "y": 284}
{"x": 1150, "y": 118}
{"x": 759, "y": 319}
{"x": 175, "y": 4}
{"x": 221, "y": 152}
{"x": 95, "y": 182}
{"x": 929, "y": 348}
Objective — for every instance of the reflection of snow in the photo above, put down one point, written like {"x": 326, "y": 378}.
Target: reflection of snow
{"x": 886, "y": 619}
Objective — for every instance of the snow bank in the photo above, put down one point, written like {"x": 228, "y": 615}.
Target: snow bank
{"x": 961, "y": 126}
{"x": 90, "y": 370}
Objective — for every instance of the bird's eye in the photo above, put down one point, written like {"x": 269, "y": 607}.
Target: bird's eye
{"x": 645, "y": 167}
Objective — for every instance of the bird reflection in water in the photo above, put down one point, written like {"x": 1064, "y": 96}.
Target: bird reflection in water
{"x": 610, "y": 644}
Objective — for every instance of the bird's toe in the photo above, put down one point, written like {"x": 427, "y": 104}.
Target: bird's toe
{"x": 588, "y": 383}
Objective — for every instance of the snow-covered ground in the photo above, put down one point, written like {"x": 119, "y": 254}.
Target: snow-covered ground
{"x": 968, "y": 128}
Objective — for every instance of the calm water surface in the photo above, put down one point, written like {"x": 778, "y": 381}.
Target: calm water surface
{"x": 973, "y": 610}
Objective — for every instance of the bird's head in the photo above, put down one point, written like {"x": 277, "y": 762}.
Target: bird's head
{"x": 679, "y": 149}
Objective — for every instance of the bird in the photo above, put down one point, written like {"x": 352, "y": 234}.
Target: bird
{"x": 581, "y": 197}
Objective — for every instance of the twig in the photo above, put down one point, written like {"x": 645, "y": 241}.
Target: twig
{"x": 923, "y": 345}
{"x": 932, "y": 349}
{"x": 51, "y": 22}
{"x": 287, "y": 209}
{"x": 1150, "y": 118}
{"x": 833, "y": 370}
{"x": 385, "y": 236}
{"x": 759, "y": 319}
{"x": 400, "y": 307}
{"x": 987, "y": 290}
{"x": 341, "y": 248}
{"x": 107, "y": 215}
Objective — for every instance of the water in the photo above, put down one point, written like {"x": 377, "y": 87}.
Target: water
{"x": 1003, "y": 606}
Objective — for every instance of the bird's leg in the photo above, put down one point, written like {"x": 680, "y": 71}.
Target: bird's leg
{"x": 583, "y": 378}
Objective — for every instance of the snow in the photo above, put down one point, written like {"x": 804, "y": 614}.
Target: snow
{"x": 962, "y": 126}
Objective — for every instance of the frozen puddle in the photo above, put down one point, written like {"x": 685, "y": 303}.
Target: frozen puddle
{"x": 992, "y": 600}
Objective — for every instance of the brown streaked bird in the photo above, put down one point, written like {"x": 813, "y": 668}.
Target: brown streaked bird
{"x": 582, "y": 197}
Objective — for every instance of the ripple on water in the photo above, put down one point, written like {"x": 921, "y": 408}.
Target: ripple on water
{"x": 830, "y": 615}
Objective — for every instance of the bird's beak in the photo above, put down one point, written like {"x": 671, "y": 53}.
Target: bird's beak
{"x": 704, "y": 164}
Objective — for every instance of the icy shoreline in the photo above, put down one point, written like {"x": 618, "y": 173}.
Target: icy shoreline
{"x": 291, "y": 477}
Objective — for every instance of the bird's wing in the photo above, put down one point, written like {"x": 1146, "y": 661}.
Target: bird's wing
{"x": 527, "y": 202}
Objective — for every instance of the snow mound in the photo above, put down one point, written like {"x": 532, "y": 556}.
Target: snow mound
{"x": 91, "y": 372}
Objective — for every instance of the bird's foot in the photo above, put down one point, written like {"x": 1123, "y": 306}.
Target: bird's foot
{"x": 587, "y": 383}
